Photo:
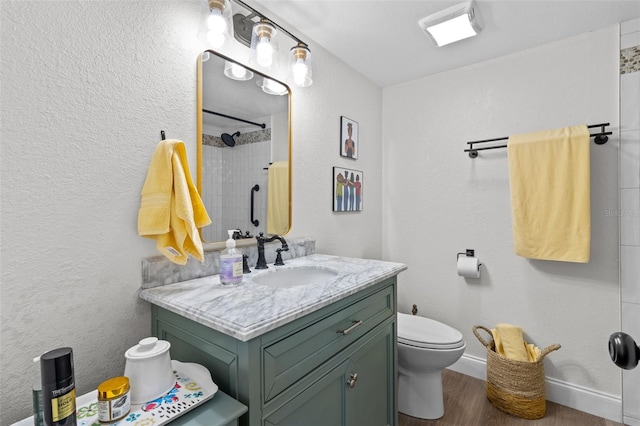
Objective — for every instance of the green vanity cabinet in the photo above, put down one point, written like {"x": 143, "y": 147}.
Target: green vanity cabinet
{"x": 334, "y": 366}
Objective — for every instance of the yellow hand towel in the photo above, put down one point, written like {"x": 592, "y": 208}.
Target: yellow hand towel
{"x": 171, "y": 210}
{"x": 533, "y": 352}
{"x": 549, "y": 177}
{"x": 510, "y": 342}
{"x": 278, "y": 198}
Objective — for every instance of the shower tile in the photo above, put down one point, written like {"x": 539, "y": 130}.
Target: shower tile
{"x": 630, "y": 101}
{"x": 630, "y": 26}
{"x": 630, "y": 40}
{"x": 630, "y": 159}
{"x": 629, "y": 214}
{"x": 630, "y": 273}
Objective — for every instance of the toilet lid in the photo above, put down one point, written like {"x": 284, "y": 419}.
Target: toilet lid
{"x": 424, "y": 332}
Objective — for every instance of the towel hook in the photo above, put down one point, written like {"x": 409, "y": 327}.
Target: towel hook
{"x": 162, "y": 135}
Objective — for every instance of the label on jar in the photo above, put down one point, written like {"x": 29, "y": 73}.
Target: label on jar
{"x": 113, "y": 409}
{"x": 63, "y": 406}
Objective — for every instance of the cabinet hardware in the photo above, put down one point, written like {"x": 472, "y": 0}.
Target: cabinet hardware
{"x": 350, "y": 329}
{"x": 353, "y": 378}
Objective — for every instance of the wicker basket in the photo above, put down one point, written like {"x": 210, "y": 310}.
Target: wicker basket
{"x": 515, "y": 387}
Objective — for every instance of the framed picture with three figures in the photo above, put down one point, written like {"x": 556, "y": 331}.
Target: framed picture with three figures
{"x": 347, "y": 190}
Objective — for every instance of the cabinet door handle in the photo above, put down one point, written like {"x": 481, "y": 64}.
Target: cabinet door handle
{"x": 351, "y": 328}
{"x": 353, "y": 378}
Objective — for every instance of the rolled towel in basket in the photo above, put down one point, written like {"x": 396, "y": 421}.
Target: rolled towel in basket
{"x": 509, "y": 342}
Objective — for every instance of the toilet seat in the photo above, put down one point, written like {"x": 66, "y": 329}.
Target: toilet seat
{"x": 427, "y": 333}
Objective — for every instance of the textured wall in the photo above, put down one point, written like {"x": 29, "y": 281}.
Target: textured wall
{"x": 449, "y": 202}
{"x": 86, "y": 89}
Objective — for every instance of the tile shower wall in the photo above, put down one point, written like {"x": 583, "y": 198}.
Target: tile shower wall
{"x": 630, "y": 206}
{"x": 229, "y": 174}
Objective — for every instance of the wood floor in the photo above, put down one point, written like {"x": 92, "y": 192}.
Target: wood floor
{"x": 466, "y": 404}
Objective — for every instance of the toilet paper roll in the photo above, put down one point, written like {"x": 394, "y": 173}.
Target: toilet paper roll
{"x": 468, "y": 267}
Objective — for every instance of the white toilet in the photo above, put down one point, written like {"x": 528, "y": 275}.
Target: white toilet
{"x": 425, "y": 348}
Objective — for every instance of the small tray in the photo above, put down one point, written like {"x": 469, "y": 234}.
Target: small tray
{"x": 193, "y": 387}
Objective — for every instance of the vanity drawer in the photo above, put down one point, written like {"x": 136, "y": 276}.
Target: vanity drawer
{"x": 289, "y": 359}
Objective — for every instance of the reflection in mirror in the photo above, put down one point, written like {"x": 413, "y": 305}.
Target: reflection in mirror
{"x": 244, "y": 152}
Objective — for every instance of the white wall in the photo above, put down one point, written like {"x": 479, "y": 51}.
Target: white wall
{"x": 86, "y": 89}
{"x": 438, "y": 202}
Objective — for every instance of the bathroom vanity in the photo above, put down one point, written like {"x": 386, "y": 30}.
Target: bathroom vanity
{"x": 321, "y": 352}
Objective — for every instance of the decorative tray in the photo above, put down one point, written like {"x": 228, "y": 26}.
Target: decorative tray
{"x": 193, "y": 387}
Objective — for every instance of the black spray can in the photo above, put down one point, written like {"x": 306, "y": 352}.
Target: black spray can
{"x": 58, "y": 387}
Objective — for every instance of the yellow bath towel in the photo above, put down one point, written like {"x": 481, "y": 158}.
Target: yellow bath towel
{"x": 171, "y": 210}
{"x": 549, "y": 176}
{"x": 278, "y": 198}
{"x": 509, "y": 342}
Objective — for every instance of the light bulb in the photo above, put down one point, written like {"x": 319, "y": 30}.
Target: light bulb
{"x": 299, "y": 72}
{"x": 238, "y": 71}
{"x": 264, "y": 52}
{"x": 216, "y": 22}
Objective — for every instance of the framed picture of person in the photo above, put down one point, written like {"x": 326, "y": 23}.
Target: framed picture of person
{"x": 347, "y": 190}
{"x": 349, "y": 142}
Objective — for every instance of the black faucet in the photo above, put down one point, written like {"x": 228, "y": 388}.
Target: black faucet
{"x": 262, "y": 263}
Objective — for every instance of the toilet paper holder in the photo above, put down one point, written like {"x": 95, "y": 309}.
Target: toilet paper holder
{"x": 469, "y": 265}
{"x": 468, "y": 253}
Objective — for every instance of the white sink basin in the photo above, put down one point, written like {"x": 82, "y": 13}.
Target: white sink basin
{"x": 294, "y": 277}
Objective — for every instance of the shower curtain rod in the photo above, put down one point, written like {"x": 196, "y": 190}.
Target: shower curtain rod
{"x": 262, "y": 125}
{"x": 600, "y": 139}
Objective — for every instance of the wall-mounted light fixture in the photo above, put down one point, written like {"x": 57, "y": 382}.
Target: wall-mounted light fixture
{"x": 300, "y": 72}
{"x": 236, "y": 71}
{"x": 264, "y": 46}
{"x": 261, "y": 35}
{"x": 452, "y": 24}
{"x": 272, "y": 87}
{"x": 218, "y": 22}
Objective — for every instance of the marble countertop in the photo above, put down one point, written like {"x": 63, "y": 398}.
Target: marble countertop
{"x": 250, "y": 309}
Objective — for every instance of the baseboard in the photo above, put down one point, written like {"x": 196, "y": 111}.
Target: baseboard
{"x": 631, "y": 421}
{"x": 564, "y": 393}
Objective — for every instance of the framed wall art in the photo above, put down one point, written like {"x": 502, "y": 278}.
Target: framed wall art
{"x": 347, "y": 190}
{"x": 349, "y": 142}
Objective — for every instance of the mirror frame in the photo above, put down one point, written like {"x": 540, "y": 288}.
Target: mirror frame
{"x": 215, "y": 245}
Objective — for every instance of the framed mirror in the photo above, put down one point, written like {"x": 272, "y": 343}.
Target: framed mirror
{"x": 244, "y": 149}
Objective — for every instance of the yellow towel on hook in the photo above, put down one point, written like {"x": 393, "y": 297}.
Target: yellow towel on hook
{"x": 278, "y": 198}
{"x": 549, "y": 177}
{"x": 171, "y": 210}
{"x": 509, "y": 342}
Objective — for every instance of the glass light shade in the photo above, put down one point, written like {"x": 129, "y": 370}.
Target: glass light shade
{"x": 264, "y": 48}
{"x": 219, "y": 22}
{"x": 272, "y": 87}
{"x": 300, "y": 71}
{"x": 236, "y": 71}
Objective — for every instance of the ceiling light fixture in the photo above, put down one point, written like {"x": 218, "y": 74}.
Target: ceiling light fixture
{"x": 218, "y": 22}
{"x": 452, "y": 24}
{"x": 300, "y": 65}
